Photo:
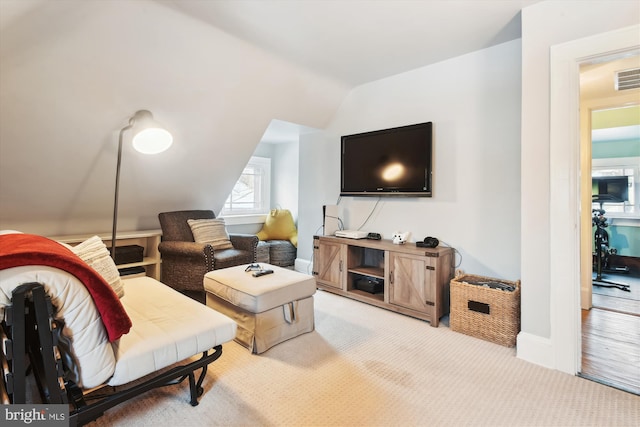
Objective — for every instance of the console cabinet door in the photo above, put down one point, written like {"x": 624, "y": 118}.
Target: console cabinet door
{"x": 329, "y": 265}
{"x": 412, "y": 280}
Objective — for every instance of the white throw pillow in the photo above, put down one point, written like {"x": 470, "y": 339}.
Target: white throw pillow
{"x": 94, "y": 252}
{"x": 211, "y": 231}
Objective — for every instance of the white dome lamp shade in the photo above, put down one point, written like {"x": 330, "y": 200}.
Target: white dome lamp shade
{"x": 149, "y": 137}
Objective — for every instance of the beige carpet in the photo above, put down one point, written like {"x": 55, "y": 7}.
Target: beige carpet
{"x": 364, "y": 366}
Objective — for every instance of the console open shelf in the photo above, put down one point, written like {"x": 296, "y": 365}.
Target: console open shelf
{"x": 364, "y": 270}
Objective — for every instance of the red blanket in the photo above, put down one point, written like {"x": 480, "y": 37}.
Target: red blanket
{"x": 28, "y": 249}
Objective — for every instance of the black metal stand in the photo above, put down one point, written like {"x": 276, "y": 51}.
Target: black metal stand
{"x": 29, "y": 329}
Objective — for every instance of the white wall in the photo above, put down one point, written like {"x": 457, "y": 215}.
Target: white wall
{"x": 474, "y": 104}
{"x": 319, "y": 184}
{"x": 284, "y": 173}
{"x": 73, "y": 72}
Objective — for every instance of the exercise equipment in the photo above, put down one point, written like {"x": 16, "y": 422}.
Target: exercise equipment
{"x": 602, "y": 254}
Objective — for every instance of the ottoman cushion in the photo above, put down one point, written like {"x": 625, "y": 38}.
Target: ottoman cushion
{"x": 259, "y": 294}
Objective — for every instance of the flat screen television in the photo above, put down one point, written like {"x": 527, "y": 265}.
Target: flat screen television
{"x": 612, "y": 189}
{"x": 388, "y": 162}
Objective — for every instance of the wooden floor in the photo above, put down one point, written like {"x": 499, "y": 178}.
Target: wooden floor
{"x": 611, "y": 340}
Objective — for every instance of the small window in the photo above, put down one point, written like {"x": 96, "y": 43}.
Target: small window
{"x": 251, "y": 194}
{"x": 615, "y": 186}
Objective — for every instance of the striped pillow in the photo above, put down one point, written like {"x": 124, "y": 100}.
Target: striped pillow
{"x": 211, "y": 231}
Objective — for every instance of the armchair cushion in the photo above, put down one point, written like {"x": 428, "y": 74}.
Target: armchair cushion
{"x": 211, "y": 231}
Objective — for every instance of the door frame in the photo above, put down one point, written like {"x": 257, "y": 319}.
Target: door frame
{"x": 564, "y": 191}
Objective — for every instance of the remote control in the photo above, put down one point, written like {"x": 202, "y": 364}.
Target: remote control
{"x": 262, "y": 273}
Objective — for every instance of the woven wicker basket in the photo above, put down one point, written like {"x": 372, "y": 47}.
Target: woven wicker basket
{"x": 483, "y": 312}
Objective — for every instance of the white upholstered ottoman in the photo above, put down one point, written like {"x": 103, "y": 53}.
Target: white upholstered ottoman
{"x": 268, "y": 309}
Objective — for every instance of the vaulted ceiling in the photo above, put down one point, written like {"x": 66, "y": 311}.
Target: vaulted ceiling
{"x": 360, "y": 41}
{"x": 350, "y": 41}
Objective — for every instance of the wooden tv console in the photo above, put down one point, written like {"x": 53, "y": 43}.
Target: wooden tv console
{"x": 416, "y": 280}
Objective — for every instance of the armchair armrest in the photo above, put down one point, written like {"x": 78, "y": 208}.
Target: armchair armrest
{"x": 185, "y": 263}
{"x": 245, "y": 242}
{"x": 188, "y": 249}
{"x": 198, "y": 252}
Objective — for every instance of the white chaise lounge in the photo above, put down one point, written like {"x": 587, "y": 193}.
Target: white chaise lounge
{"x": 73, "y": 349}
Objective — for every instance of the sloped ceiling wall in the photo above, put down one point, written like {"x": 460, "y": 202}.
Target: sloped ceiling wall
{"x": 73, "y": 72}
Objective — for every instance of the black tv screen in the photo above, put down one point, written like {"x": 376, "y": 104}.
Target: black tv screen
{"x": 613, "y": 189}
{"x": 388, "y": 162}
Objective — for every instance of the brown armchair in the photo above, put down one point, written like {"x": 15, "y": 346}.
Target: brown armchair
{"x": 185, "y": 262}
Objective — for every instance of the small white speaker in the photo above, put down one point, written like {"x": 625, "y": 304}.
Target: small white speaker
{"x": 330, "y": 220}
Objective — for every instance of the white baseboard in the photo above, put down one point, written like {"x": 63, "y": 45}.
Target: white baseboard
{"x": 535, "y": 349}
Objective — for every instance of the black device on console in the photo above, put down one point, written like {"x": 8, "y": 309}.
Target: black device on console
{"x": 370, "y": 285}
{"x": 428, "y": 242}
{"x": 374, "y": 236}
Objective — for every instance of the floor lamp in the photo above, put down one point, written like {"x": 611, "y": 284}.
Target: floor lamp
{"x": 149, "y": 137}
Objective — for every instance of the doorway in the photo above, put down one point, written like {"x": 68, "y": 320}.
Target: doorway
{"x": 609, "y": 135}
{"x": 564, "y": 197}
{"x": 610, "y": 320}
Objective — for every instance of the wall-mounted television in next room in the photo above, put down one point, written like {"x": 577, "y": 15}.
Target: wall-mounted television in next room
{"x": 388, "y": 162}
{"x": 612, "y": 189}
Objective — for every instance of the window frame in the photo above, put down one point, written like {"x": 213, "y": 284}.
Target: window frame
{"x": 621, "y": 163}
{"x": 263, "y": 164}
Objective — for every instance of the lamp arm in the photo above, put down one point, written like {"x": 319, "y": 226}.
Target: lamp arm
{"x": 115, "y": 200}
{"x": 143, "y": 116}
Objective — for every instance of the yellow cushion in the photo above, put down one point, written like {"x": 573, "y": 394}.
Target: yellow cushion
{"x": 279, "y": 225}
